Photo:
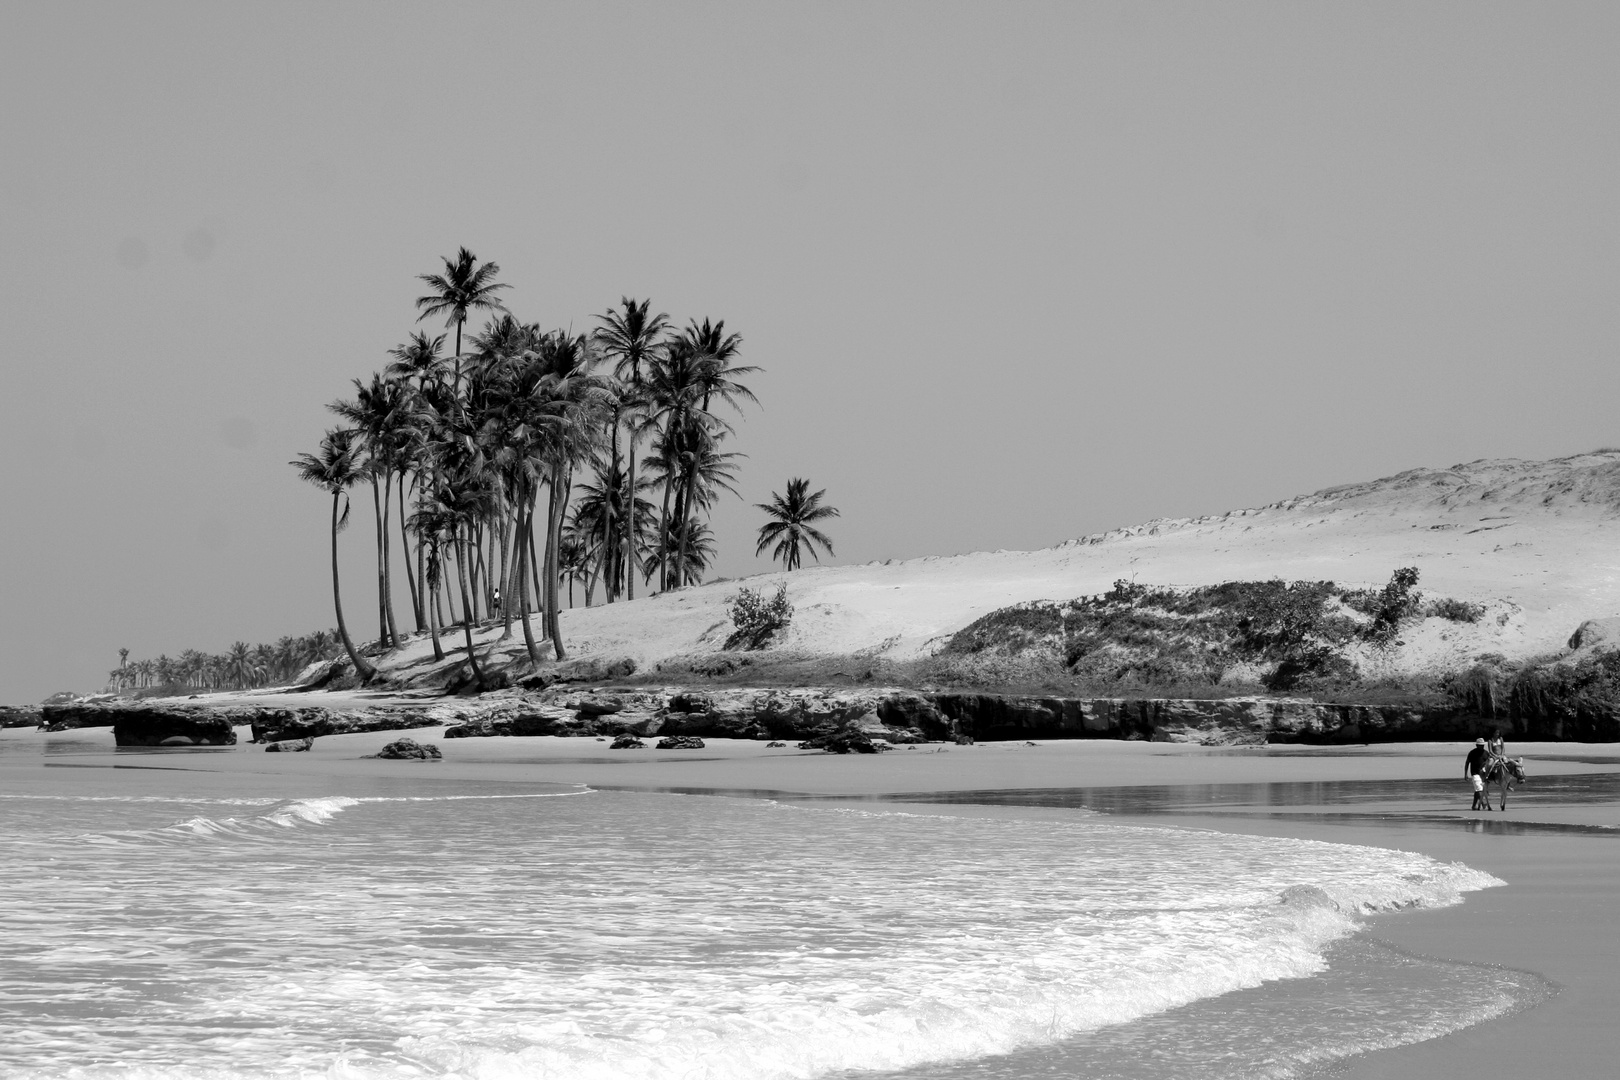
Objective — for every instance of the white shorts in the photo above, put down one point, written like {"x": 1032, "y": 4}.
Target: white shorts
{"x": 1478, "y": 781}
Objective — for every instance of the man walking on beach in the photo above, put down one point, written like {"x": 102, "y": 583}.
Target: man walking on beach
{"x": 1474, "y": 767}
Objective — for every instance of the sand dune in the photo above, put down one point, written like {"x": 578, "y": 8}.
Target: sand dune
{"x": 1534, "y": 540}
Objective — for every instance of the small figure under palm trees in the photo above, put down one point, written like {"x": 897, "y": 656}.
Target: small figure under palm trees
{"x": 790, "y": 527}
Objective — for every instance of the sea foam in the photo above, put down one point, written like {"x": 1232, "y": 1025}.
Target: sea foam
{"x": 643, "y": 936}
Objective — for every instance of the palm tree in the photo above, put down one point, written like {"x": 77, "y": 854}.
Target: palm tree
{"x": 464, "y": 285}
{"x": 418, "y": 366}
{"x": 694, "y": 538}
{"x": 239, "y": 667}
{"x": 631, "y": 339}
{"x": 696, "y": 369}
{"x": 334, "y": 469}
{"x": 432, "y": 528}
{"x": 790, "y": 526}
{"x": 564, "y": 405}
{"x": 418, "y": 358}
{"x": 691, "y": 456}
{"x": 602, "y": 515}
{"x": 379, "y": 415}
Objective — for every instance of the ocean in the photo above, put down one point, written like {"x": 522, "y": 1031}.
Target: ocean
{"x": 445, "y": 930}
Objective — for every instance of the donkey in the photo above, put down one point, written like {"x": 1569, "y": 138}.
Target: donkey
{"x": 1506, "y": 773}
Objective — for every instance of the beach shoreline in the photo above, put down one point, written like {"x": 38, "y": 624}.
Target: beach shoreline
{"x": 1552, "y": 846}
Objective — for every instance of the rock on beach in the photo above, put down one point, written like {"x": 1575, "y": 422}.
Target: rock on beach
{"x": 410, "y": 750}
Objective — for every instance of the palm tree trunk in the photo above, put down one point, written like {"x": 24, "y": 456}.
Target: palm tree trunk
{"x": 630, "y": 527}
{"x": 387, "y": 550}
{"x": 663, "y": 535}
{"x": 559, "y": 507}
{"x": 472, "y": 654}
{"x": 607, "y": 513}
{"x": 441, "y": 594}
{"x": 526, "y": 530}
{"x": 534, "y": 559}
{"x": 507, "y": 572}
{"x": 361, "y": 668}
{"x": 424, "y": 606}
{"x": 432, "y": 612}
{"x": 382, "y": 580}
{"x": 405, "y": 546}
{"x": 683, "y": 511}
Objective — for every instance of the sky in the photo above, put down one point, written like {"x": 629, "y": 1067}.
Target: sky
{"x": 1013, "y": 273}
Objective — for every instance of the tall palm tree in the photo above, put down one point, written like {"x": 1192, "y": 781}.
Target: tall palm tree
{"x": 566, "y": 406}
{"x": 790, "y": 527}
{"x": 630, "y": 338}
{"x": 334, "y": 469}
{"x": 380, "y": 417}
{"x": 463, "y": 286}
{"x": 707, "y": 354}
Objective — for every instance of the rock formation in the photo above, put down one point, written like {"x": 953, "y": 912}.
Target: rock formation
{"x": 410, "y": 750}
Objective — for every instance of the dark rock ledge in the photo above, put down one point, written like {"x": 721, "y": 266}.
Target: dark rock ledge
{"x": 879, "y": 717}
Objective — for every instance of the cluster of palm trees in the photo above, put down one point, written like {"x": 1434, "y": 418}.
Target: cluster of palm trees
{"x": 525, "y": 456}
{"x": 240, "y": 667}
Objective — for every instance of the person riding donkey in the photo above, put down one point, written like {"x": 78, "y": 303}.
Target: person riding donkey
{"x": 1487, "y": 763}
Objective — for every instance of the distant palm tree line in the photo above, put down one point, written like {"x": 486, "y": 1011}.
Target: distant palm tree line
{"x": 240, "y": 667}
{"x": 530, "y": 456}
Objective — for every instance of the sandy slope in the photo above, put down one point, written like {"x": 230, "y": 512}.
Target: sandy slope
{"x": 1536, "y": 540}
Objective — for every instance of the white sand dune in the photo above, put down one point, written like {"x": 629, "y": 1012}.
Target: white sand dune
{"x": 1535, "y": 540}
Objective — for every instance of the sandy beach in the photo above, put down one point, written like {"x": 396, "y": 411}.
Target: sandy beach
{"x": 1553, "y": 847}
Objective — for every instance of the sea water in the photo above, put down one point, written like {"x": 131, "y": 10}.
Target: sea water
{"x": 570, "y": 933}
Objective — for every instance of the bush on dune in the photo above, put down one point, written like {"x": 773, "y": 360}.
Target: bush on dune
{"x": 1139, "y": 635}
{"x": 756, "y": 618}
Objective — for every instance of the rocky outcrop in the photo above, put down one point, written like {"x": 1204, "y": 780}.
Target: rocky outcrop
{"x": 845, "y": 742}
{"x": 279, "y": 725}
{"x": 1596, "y": 636}
{"x": 880, "y": 716}
{"x": 291, "y": 746}
{"x": 627, "y": 742}
{"x": 19, "y": 716}
{"x": 75, "y": 714}
{"x": 679, "y": 742}
{"x": 167, "y": 727}
{"x": 588, "y": 669}
{"x": 410, "y": 750}
{"x": 1221, "y": 721}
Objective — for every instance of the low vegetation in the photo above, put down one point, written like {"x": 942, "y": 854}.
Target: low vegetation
{"x": 756, "y": 618}
{"x": 1578, "y": 697}
{"x": 1281, "y": 636}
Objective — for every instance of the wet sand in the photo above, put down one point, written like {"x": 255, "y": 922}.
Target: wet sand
{"x": 1557, "y": 846}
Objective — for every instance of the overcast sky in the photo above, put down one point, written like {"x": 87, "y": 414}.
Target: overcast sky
{"x": 1014, "y": 272}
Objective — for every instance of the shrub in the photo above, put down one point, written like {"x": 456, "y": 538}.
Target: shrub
{"x": 1395, "y": 602}
{"x": 1456, "y": 610}
{"x": 756, "y": 618}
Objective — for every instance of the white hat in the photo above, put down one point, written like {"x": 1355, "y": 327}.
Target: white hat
{"x": 1479, "y": 742}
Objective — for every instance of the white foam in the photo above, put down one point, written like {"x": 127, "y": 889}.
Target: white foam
{"x": 311, "y": 811}
{"x": 648, "y": 936}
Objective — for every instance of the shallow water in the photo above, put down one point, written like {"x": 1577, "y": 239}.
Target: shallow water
{"x": 612, "y": 934}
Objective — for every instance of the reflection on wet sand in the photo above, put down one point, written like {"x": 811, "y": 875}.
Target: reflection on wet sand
{"x": 1426, "y": 802}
